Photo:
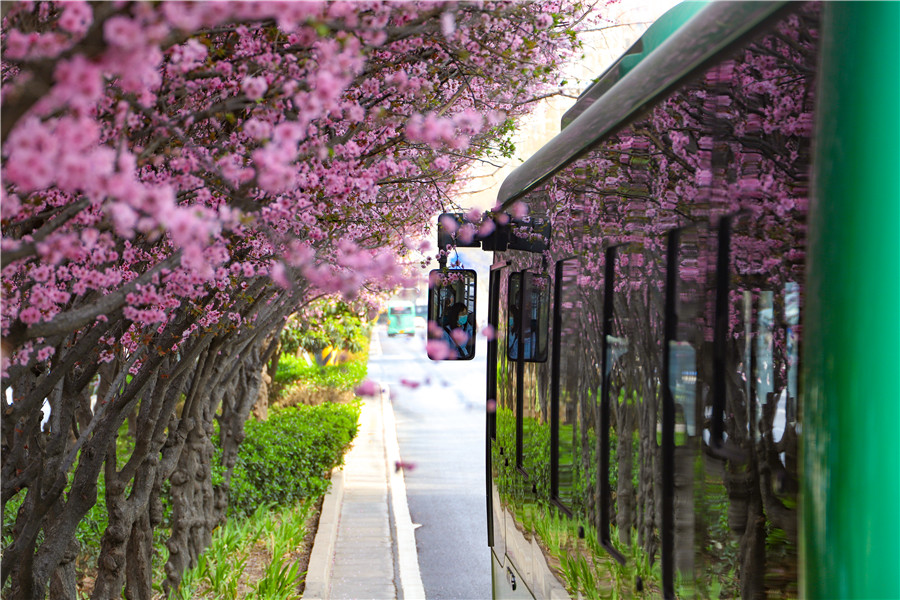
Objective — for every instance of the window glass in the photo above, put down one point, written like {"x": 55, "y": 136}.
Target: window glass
{"x": 528, "y": 316}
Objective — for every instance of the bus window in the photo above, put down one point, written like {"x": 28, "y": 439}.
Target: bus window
{"x": 532, "y": 301}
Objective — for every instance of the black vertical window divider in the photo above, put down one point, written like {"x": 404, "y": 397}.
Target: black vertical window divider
{"x": 520, "y": 375}
{"x": 605, "y": 491}
{"x": 720, "y": 335}
{"x": 555, "y": 383}
{"x": 493, "y": 345}
{"x": 668, "y": 418}
{"x": 717, "y": 444}
{"x": 491, "y": 388}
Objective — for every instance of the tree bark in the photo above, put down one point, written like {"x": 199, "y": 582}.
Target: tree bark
{"x": 64, "y": 583}
{"x": 625, "y": 500}
{"x": 139, "y": 565}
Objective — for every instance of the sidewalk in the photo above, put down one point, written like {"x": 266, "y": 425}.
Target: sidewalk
{"x": 365, "y": 546}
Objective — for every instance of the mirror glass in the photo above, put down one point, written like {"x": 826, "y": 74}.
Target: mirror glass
{"x": 451, "y": 314}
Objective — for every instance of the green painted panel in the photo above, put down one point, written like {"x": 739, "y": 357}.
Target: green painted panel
{"x": 660, "y": 31}
{"x": 850, "y": 539}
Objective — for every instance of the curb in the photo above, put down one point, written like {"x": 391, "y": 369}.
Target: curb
{"x": 318, "y": 573}
{"x": 406, "y": 555}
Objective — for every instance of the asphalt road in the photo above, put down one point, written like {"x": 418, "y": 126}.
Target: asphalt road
{"x": 439, "y": 407}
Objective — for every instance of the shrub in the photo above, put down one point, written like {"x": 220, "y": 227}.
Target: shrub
{"x": 323, "y": 323}
{"x": 298, "y": 382}
{"x": 287, "y": 458}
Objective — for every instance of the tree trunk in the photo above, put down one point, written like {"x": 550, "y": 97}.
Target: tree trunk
{"x": 64, "y": 582}
{"x": 684, "y": 521}
{"x": 112, "y": 559}
{"x": 191, "y": 495}
{"x": 753, "y": 551}
{"x": 139, "y": 567}
{"x": 625, "y": 501}
{"x": 261, "y": 406}
{"x": 236, "y": 406}
{"x": 198, "y": 506}
{"x": 123, "y": 509}
{"x": 192, "y": 506}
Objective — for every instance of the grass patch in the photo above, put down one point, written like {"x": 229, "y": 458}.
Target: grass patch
{"x": 299, "y": 382}
{"x": 254, "y": 557}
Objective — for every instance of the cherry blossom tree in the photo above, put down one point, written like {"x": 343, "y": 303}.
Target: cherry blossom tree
{"x": 180, "y": 177}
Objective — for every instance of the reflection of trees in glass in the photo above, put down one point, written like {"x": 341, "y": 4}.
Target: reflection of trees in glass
{"x": 737, "y": 139}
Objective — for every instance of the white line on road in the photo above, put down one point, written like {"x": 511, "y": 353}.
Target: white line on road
{"x": 407, "y": 556}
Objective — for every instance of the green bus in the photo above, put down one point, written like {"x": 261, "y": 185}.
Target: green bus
{"x": 401, "y": 318}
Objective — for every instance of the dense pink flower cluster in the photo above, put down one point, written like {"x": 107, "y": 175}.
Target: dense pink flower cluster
{"x": 179, "y": 152}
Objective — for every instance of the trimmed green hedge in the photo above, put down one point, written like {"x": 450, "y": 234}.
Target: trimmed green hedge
{"x": 286, "y": 458}
{"x": 345, "y": 376}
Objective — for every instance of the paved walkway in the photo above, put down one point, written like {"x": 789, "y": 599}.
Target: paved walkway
{"x": 365, "y": 546}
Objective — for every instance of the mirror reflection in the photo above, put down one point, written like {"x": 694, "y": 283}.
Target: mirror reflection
{"x": 451, "y": 314}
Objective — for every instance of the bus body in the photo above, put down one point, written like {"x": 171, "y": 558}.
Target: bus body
{"x": 708, "y": 403}
{"x": 401, "y": 318}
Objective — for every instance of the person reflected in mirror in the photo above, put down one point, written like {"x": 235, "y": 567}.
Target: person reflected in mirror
{"x": 513, "y": 338}
{"x": 459, "y": 330}
{"x": 445, "y": 312}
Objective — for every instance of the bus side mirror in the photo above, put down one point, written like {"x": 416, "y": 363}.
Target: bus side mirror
{"x": 451, "y": 314}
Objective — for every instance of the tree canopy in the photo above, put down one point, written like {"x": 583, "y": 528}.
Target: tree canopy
{"x": 180, "y": 177}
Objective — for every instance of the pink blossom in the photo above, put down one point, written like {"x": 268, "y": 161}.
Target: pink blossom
{"x": 459, "y": 336}
{"x": 368, "y": 388}
{"x": 448, "y": 23}
{"x": 9, "y": 204}
{"x": 434, "y": 330}
{"x": 187, "y": 56}
{"x": 279, "y": 275}
{"x": 544, "y": 21}
{"x": 254, "y": 87}
{"x": 518, "y": 210}
{"x": 449, "y": 224}
{"x": 467, "y": 233}
{"x": 704, "y": 177}
{"x": 258, "y": 129}
{"x": 439, "y": 350}
{"x": 328, "y": 87}
{"x": 30, "y": 315}
{"x": 76, "y": 17}
{"x": 486, "y": 228}
{"x": 469, "y": 121}
{"x": 18, "y": 44}
{"x": 122, "y": 32}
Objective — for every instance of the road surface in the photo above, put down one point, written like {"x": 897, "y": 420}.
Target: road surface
{"x": 439, "y": 408}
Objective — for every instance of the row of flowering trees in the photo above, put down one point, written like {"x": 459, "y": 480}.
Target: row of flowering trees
{"x": 180, "y": 177}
